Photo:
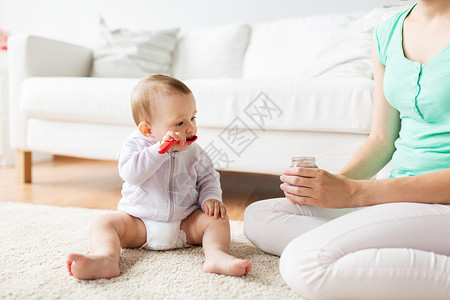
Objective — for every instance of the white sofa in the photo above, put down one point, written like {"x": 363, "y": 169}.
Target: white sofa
{"x": 265, "y": 92}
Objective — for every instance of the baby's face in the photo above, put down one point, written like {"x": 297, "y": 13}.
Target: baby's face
{"x": 176, "y": 113}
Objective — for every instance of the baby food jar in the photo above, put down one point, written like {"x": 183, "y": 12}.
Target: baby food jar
{"x": 303, "y": 161}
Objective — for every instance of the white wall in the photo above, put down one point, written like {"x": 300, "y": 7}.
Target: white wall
{"x": 75, "y": 20}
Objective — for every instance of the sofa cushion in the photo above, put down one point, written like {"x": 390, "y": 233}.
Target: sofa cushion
{"x": 308, "y": 104}
{"x": 283, "y": 49}
{"x": 349, "y": 51}
{"x": 314, "y": 104}
{"x": 215, "y": 52}
{"x": 125, "y": 53}
{"x": 83, "y": 99}
{"x": 331, "y": 45}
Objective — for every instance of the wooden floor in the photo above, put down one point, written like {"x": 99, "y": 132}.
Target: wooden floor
{"x": 67, "y": 181}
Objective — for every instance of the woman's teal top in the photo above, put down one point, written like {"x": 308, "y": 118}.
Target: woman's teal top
{"x": 421, "y": 94}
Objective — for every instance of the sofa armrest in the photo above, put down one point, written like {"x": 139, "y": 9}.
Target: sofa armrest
{"x": 30, "y": 56}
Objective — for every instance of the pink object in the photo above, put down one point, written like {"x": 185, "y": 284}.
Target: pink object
{"x": 3, "y": 40}
{"x": 167, "y": 144}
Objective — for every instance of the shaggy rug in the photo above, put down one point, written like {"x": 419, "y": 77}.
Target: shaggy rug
{"x": 35, "y": 241}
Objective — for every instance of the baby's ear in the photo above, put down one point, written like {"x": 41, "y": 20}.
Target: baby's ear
{"x": 145, "y": 129}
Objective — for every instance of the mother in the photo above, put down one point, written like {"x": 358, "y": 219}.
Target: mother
{"x": 343, "y": 236}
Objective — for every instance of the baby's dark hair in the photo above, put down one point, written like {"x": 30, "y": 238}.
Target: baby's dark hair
{"x": 148, "y": 89}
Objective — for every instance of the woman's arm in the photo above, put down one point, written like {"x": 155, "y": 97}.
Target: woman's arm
{"x": 377, "y": 150}
{"x": 432, "y": 187}
{"x": 320, "y": 188}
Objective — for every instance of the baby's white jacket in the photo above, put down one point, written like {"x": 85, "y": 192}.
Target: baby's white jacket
{"x": 165, "y": 187}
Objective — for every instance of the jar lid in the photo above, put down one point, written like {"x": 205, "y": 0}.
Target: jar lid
{"x": 303, "y": 158}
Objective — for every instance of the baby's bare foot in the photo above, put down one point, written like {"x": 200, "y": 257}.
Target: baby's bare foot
{"x": 223, "y": 263}
{"x": 92, "y": 266}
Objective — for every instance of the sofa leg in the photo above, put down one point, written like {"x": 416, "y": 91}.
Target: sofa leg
{"x": 23, "y": 166}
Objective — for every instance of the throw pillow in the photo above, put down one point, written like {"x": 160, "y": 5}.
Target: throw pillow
{"x": 212, "y": 52}
{"x": 125, "y": 53}
{"x": 283, "y": 48}
{"x": 349, "y": 52}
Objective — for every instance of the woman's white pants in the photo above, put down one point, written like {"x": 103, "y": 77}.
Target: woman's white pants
{"x": 386, "y": 251}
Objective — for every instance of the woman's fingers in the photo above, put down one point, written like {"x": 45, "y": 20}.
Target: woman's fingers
{"x": 297, "y": 180}
{"x": 304, "y": 172}
{"x": 302, "y": 191}
{"x": 295, "y": 199}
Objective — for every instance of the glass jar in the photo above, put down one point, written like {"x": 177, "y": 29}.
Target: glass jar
{"x": 303, "y": 161}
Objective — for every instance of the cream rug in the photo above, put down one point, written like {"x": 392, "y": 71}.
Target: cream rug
{"x": 35, "y": 240}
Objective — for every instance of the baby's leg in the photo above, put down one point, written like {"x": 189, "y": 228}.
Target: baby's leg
{"x": 108, "y": 233}
{"x": 214, "y": 235}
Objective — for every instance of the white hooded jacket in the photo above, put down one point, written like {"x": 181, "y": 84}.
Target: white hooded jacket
{"x": 165, "y": 187}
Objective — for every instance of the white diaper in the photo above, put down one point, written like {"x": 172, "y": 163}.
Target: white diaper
{"x": 164, "y": 235}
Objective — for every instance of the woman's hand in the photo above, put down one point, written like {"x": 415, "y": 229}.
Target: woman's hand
{"x": 214, "y": 208}
{"x": 318, "y": 187}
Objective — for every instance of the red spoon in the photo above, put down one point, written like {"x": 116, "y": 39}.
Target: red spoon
{"x": 167, "y": 144}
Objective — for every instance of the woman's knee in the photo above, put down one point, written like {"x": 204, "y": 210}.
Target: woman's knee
{"x": 259, "y": 225}
{"x": 261, "y": 213}
{"x": 301, "y": 269}
{"x": 253, "y": 218}
{"x": 250, "y": 213}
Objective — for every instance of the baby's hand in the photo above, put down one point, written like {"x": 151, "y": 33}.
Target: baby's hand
{"x": 214, "y": 208}
{"x": 177, "y": 136}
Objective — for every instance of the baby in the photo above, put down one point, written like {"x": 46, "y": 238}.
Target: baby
{"x": 170, "y": 200}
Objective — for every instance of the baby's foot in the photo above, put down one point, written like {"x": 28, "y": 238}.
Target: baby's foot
{"x": 223, "y": 263}
{"x": 92, "y": 266}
